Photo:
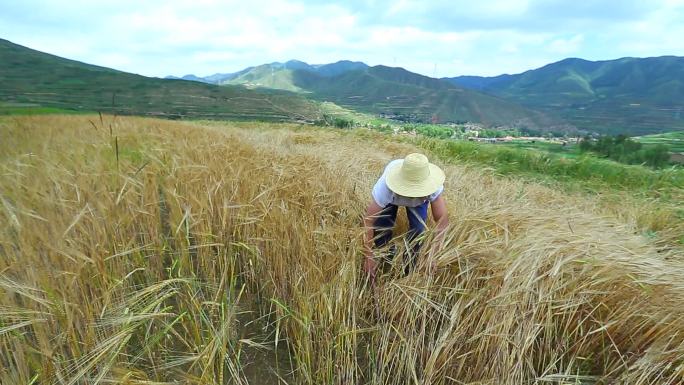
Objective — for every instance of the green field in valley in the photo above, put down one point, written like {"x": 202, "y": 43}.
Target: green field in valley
{"x": 568, "y": 151}
{"x": 674, "y": 139}
{"x": 33, "y": 109}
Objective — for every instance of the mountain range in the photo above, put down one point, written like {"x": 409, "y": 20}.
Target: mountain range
{"x": 388, "y": 91}
{"x": 249, "y": 74}
{"x": 32, "y": 78}
{"x": 629, "y": 95}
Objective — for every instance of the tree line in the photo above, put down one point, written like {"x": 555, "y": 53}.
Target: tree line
{"x": 624, "y": 149}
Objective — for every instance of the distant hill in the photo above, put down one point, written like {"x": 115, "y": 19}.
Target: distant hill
{"x": 628, "y": 95}
{"x": 393, "y": 92}
{"x": 398, "y": 93}
{"x": 340, "y": 67}
{"x": 259, "y": 76}
{"x": 33, "y": 78}
{"x": 266, "y": 76}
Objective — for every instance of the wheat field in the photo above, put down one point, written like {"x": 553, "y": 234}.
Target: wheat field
{"x": 142, "y": 251}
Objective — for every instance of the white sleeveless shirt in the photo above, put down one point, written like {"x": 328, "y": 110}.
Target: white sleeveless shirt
{"x": 383, "y": 196}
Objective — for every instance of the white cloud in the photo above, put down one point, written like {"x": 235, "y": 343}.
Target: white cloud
{"x": 214, "y": 56}
{"x": 158, "y": 37}
{"x": 507, "y": 8}
{"x": 403, "y": 36}
{"x": 566, "y": 46}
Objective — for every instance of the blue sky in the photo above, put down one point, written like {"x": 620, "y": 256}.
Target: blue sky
{"x": 435, "y": 38}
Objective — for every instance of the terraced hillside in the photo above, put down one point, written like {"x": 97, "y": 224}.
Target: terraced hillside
{"x": 143, "y": 254}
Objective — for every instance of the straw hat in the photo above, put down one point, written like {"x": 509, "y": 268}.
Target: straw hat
{"x": 414, "y": 177}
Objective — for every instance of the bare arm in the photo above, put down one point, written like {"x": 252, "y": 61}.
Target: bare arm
{"x": 441, "y": 216}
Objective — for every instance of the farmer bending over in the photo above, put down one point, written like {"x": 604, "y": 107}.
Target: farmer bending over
{"x": 413, "y": 183}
